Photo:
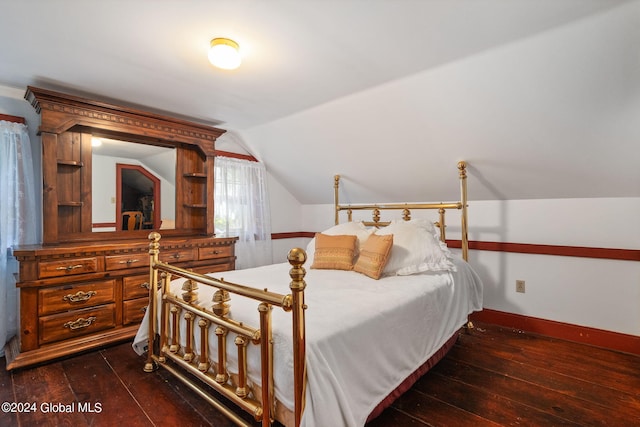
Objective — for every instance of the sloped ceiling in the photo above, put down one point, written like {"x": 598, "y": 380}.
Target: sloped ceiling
{"x": 541, "y": 97}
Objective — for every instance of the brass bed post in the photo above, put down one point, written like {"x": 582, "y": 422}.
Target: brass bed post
{"x": 336, "y": 185}
{"x": 154, "y": 249}
{"x": 296, "y": 258}
{"x": 442, "y": 224}
{"x": 462, "y": 167}
{"x": 266, "y": 357}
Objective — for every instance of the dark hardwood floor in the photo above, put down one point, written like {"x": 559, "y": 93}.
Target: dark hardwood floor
{"x": 492, "y": 376}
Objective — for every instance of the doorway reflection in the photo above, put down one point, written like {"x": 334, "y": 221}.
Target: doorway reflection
{"x": 138, "y": 199}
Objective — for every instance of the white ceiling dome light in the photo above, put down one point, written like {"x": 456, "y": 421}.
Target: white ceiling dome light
{"x": 224, "y": 53}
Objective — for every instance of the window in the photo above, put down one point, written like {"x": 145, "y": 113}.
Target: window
{"x": 242, "y": 209}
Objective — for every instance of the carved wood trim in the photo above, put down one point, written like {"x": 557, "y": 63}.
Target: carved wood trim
{"x": 60, "y": 112}
{"x": 556, "y": 250}
{"x": 248, "y": 157}
{"x": 583, "y": 334}
{"x": 14, "y": 119}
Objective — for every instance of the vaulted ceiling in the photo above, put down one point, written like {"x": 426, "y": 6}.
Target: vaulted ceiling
{"x": 542, "y": 97}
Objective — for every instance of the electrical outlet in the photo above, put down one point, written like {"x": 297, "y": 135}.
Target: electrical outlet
{"x": 520, "y": 286}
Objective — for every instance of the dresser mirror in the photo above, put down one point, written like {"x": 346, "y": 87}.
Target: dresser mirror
{"x": 82, "y": 201}
{"x": 133, "y": 186}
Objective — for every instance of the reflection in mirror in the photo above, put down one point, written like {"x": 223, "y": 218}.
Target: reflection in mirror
{"x": 138, "y": 198}
{"x": 111, "y": 157}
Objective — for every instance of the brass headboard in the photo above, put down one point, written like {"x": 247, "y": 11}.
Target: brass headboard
{"x": 407, "y": 207}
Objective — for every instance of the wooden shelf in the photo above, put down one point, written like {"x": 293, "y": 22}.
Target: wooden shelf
{"x": 70, "y": 163}
{"x": 195, "y": 175}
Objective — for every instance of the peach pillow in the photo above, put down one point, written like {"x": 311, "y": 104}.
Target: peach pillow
{"x": 374, "y": 255}
{"x": 357, "y": 229}
{"x": 334, "y": 252}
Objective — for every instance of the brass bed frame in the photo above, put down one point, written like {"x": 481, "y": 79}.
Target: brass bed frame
{"x": 407, "y": 207}
{"x": 164, "y": 341}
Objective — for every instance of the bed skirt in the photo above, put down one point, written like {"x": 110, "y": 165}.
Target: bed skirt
{"x": 415, "y": 376}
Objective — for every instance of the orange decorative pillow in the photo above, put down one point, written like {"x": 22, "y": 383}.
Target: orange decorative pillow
{"x": 374, "y": 255}
{"x": 334, "y": 252}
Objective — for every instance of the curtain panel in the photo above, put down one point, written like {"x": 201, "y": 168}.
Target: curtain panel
{"x": 242, "y": 209}
{"x": 17, "y": 216}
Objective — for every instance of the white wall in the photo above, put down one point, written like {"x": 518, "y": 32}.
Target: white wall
{"x": 286, "y": 216}
{"x": 551, "y": 116}
{"x": 602, "y": 294}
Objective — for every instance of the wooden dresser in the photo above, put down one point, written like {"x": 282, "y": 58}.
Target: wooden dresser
{"x": 84, "y": 288}
{"x": 77, "y": 297}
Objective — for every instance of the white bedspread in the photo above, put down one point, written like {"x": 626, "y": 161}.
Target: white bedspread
{"x": 364, "y": 336}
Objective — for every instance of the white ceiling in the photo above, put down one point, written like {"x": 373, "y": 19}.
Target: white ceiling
{"x": 297, "y": 54}
{"x": 305, "y": 61}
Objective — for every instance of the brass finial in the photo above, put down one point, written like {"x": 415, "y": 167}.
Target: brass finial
{"x": 154, "y": 242}
{"x": 376, "y": 215}
{"x": 296, "y": 258}
{"x": 462, "y": 168}
{"x": 221, "y": 306}
{"x": 189, "y": 287}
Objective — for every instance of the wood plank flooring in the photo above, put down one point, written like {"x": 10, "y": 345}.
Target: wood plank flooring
{"x": 492, "y": 377}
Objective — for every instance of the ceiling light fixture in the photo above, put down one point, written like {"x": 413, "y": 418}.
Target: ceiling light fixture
{"x": 224, "y": 53}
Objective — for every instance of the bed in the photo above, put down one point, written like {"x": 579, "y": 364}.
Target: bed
{"x": 329, "y": 345}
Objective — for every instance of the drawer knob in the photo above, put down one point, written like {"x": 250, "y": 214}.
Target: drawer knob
{"x": 129, "y": 261}
{"x": 80, "y": 323}
{"x": 70, "y": 267}
{"x": 79, "y": 296}
{"x": 145, "y": 285}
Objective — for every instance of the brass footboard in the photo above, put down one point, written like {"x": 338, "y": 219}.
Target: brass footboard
{"x": 165, "y": 341}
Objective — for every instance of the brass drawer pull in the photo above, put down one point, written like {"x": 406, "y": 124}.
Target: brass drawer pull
{"x": 79, "y": 296}
{"x": 129, "y": 261}
{"x": 70, "y": 267}
{"x": 80, "y": 323}
{"x": 176, "y": 256}
{"x": 145, "y": 285}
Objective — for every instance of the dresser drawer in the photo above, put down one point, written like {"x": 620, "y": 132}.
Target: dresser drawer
{"x": 133, "y": 310}
{"x": 211, "y": 252}
{"x": 177, "y": 255}
{"x": 57, "y": 327}
{"x": 67, "y": 267}
{"x": 71, "y": 297}
{"x": 120, "y": 262}
{"x": 135, "y": 287}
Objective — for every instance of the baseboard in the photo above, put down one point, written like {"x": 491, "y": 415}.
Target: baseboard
{"x": 582, "y": 334}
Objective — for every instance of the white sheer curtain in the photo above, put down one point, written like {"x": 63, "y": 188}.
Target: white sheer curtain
{"x": 17, "y": 216}
{"x": 242, "y": 209}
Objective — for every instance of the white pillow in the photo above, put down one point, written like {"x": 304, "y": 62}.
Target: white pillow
{"x": 351, "y": 228}
{"x": 415, "y": 249}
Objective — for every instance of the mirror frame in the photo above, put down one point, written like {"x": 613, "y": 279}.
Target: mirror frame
{"x": 72, "y": 120}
